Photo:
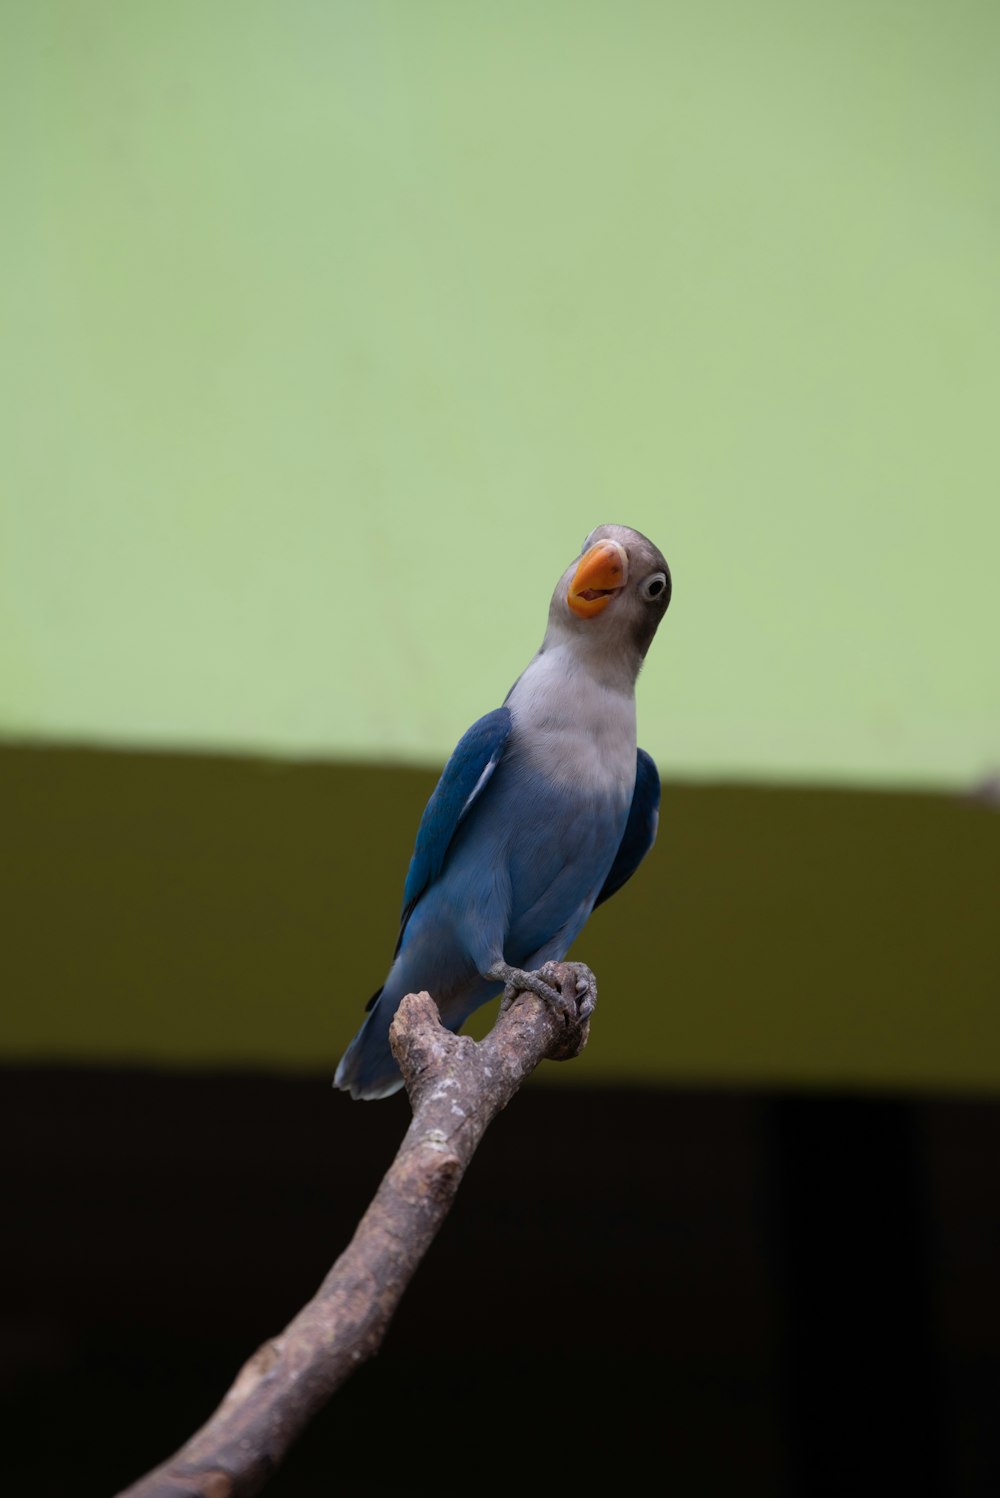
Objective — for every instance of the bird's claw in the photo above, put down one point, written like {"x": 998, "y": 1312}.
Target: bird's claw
{"x": 516, "y": 980}
{"x": 569, "y": 987}
{"x": 577, "y": 985}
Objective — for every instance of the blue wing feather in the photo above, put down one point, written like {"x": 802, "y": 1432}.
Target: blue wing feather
{"x": 640, "y": 829}
{"x": 475, "y": 757}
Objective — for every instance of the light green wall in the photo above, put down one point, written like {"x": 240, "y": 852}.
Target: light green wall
{"x": 330, "y": 329}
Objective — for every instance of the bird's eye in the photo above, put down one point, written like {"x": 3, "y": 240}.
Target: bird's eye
{"x": 653, "y": 586}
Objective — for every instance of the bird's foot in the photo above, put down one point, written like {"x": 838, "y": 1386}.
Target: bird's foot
{"x": 581, "y": 983}
{"x": 516, "y": 980}
{"x": 570, "y": 987}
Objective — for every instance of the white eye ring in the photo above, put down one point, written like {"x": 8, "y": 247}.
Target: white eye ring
{"x": 654, "y": 586}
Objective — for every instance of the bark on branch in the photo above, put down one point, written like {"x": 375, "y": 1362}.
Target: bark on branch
{"x": 456, "y": 1088}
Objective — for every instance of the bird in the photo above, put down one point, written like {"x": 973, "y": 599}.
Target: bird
{"x": 545, "y": 808}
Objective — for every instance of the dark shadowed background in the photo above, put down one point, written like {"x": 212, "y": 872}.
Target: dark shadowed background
{"x": 788, "y": 1288}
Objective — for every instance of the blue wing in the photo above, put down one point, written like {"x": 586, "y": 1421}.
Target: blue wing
{"x": 475, "y": 757}
{"x": 640, "y": 829}
{"x": 472, "y": 762}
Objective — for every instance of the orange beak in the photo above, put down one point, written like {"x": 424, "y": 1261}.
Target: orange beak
{"x": 602, "y": 571}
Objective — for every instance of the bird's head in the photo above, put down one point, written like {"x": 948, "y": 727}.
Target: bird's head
{"x": 614, "y": 595}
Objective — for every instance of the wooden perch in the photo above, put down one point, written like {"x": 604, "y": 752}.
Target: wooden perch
{"x": 456, "y": 1088}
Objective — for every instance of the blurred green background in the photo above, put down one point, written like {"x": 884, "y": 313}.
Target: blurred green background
{"x": 329, "y": 332}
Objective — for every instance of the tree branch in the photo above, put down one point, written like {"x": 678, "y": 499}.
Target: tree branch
{"x": 456, "y": 1088}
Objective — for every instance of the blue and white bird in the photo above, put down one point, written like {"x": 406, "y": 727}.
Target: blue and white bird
{"x": 544, "y": 810}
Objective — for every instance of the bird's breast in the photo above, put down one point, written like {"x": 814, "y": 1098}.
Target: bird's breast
{"x": 594, "y": 762}
{"x": 574, "y": 731}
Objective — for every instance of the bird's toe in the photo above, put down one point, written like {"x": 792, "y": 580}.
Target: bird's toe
{"x": 577, "y": 985}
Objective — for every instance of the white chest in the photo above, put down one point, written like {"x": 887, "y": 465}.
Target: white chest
{"x": 573, "y": 729}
